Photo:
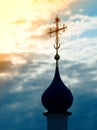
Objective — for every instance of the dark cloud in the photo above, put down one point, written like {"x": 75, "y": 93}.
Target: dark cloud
{"x": 85, "y": 94}
{"x": 20, "y": 104}
{"x": 5, "y": 63}
{"x": 5, "y": 66}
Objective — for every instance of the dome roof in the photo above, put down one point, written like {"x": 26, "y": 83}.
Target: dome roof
{"x": 57, "y": 97}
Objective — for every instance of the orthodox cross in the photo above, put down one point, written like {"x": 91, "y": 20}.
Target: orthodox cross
{"x": 56, "y": 31}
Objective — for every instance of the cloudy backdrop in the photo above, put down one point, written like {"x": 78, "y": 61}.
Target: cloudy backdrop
{"x": 27, "y": 65}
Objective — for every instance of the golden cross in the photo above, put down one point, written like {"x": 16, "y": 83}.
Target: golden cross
{"x": 56, "y": 31}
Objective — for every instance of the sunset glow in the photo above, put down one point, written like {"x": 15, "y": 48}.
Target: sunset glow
{"x": 17, "y": 15}
{"x": 10, "y": 11}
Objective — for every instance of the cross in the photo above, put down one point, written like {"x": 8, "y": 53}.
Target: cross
{"x": 56, "y": 31}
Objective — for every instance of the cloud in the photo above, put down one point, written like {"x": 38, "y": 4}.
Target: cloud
{"x": 5, "y": 63}
{"x": 80, "y": 49}
{"x": 79, "y": 24}
{"x": 32, "y": 73}
{"x": 21, "y": 100}
{"x": 11, "y": 63}
{"x": 10, "y": 69}
{"x": 83, "y": 108}
{"x": 35, "y": 28}
{"x": 40, "y": 33}
{"x": 45, "y": 10}
{"x": 24, "y": 89}
{"x": 19, "y": 21}
{"x": 49, "y": 8}
{"x": 68, "y": 12}
{"x": 37, "y": 23}
{"x": 81, "y": 10}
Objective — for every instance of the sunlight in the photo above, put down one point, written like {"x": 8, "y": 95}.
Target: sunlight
{"x": 10, "y": 11}
{"x": 6, "y": 43}
{"x": 16, "y": 13}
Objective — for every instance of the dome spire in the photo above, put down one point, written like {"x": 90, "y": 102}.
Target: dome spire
{"x": 57, "y": 97}
{"x": 56, "y": 31}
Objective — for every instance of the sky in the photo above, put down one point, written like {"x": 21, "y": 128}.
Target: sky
{"x": 27, "y": 65}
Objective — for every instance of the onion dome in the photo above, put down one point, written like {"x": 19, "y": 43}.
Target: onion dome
{"x": 57, "y": 97}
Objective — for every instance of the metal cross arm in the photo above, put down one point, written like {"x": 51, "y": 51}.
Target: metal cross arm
{"x": 63, "y": 28}
{"x": 50, "y": 32}
{"x": 56, "y": 30}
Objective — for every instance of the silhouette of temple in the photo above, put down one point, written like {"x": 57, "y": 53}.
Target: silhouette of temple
{"x": 57, "y": 98}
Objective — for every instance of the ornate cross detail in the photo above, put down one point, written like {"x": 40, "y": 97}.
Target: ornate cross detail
{"x": 56, "y": 31}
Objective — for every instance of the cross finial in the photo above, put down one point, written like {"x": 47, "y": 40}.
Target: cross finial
{"x": 56, "y": 31}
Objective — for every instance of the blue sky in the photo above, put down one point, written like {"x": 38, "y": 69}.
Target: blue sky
{"x": 27, "y": 68}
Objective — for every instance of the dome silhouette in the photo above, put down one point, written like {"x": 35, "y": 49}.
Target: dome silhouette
{"x": 57, "y": 97}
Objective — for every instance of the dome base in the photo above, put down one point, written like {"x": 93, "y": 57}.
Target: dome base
{"x": 66, "y": 113}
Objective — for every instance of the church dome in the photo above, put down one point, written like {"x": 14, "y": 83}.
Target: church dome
{"x": 57, "y": 97}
